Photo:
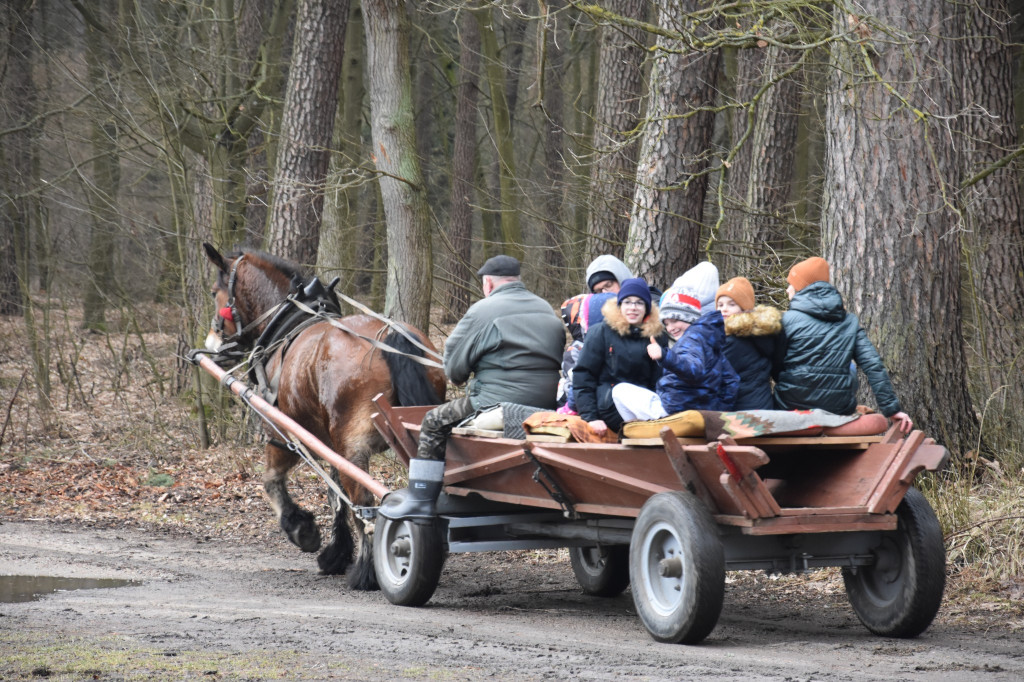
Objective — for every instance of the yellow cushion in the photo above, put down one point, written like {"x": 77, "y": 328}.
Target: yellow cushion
{"x": 688, "y": 424}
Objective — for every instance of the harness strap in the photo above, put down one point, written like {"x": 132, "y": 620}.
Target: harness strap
{"x": 398, "y": 328}
{"x": 374, "y": 342}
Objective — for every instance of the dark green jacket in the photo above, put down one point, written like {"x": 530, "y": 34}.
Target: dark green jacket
{"x": 511, "y": 342}
{"x": 818, "y": 341}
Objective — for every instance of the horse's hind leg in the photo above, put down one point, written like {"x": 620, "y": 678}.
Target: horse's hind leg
{"x": 362, "y": 576}
{"x": 337, "y": 555}
{"x": 297, "y": 523}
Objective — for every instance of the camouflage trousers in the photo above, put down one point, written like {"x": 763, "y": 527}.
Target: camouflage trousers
{"x": 437, "y": 426}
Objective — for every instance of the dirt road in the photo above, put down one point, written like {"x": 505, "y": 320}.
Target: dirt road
{"x": 217, "y": 610}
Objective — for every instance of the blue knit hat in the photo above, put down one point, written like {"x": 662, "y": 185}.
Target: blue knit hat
{"x": 636, "y": 286}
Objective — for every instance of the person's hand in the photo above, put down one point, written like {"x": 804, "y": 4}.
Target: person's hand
{"x": 654, "y": 350}
{"x": 598, "y": 426}
{"x": 904, "y": 420}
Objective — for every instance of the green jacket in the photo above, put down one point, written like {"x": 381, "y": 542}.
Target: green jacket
{"x": 819, "y": 339}
{"x": 511, "y": 342}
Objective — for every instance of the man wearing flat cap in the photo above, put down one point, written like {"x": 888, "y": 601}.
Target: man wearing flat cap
{"x": 508, "y": 347}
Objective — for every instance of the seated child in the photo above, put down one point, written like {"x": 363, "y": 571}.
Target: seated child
{"x": 819, "y": 339}
{"x": 579, "y": 313}
{"x": 695, "y": 372}
{"x": 751, "y": 336}
{"x": 615, "y": 351}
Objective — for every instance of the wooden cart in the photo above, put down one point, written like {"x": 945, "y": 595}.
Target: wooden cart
{"x": 670, "y": 516}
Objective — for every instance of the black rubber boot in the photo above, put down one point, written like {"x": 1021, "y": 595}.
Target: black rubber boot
{"x": 419, "y": 500}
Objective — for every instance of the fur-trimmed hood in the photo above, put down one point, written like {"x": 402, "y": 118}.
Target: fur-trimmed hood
{"x": 763, "y": 320}
{"x": 613, "y": 317}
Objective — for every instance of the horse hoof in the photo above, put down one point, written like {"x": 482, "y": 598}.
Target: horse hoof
{"x": 362, "y": 577}
{"x": 334, "y": 560}
{"x": 300, "y": 527}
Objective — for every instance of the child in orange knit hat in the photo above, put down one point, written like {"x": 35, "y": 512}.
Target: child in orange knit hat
{"x": 750, "y": 343}
{"x": 820, "y": 339}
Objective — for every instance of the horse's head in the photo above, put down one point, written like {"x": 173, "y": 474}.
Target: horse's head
{"x": 249, "y": 284}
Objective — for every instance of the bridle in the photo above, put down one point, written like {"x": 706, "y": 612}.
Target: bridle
{"x": 236, "y": 317}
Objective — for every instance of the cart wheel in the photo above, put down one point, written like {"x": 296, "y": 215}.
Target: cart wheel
{"x": 601, "y": 571}
{"x": 408, "y": 557}
{"x": 677, "y": 568}
{"x": 900, "y": 594}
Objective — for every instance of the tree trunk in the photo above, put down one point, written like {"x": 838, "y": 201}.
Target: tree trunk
{"x": 311, "y": 101}
{"x": 995, "y": 236}
{"x": 15, "y": 154}
{"x": 888, "y": 229}
{"x": 394, "y": 148}
{"x": 617, "y": 110}
{"x": 508, "y": 204}
{"x": 341, "y": 232}
{"x": 761, "y": 172}
{"x": 105, "y": 187}
{"x": 671, "y": 179}
{"x": 460, "y": 225}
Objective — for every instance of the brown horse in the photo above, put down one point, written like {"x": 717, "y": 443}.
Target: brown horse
{"x": 327, "y": 377}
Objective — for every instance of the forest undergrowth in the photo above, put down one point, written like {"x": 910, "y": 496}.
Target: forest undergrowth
{"x": 116, "y": 443}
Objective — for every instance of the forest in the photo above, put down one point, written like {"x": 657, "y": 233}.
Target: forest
{"x": 397, "y": 145}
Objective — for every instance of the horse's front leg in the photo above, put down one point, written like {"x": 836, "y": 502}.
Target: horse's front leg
{"x": 297, "y": 523}
{"x": 337, "y": 555}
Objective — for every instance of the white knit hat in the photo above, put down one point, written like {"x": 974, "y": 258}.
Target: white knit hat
{"x": 679, "y": 304}
{"x": 702, "y": 282}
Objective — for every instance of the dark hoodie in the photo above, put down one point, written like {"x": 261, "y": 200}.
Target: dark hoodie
{"x": 750, "y": 346}
{"x": 819, "y": 338}
{"x": 614, "y": 351}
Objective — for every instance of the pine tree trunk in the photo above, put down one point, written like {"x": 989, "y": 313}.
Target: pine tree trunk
{"x": 888, "y": 229}
{"x": 665, "y": 226}
{"x": 995, "y": 236}
{"x": 616, "y": 114}
{"x": 761, "y": 174}
{"x": 460, "y": 226}
{"x": 409, "y": 260}
{"x": 309, "y": 108}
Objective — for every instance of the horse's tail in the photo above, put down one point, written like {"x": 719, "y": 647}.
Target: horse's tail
{"x": 409, "y": 378}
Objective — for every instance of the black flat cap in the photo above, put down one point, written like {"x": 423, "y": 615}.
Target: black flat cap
{"x": 500, "y": 266}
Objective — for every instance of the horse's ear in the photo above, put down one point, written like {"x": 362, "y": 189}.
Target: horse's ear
{"x": 214, "y": 255}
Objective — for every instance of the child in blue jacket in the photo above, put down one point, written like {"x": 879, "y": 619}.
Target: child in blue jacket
{"x": 696, "y": 375}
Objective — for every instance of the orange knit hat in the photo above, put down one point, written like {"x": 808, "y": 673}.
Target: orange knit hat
{"x": 739, "y": 290}
{"x": 808, "y": 272}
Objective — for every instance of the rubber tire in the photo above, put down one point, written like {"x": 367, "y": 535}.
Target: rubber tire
{"x": 408, "y": 580}
{"x": 601, "y": 571}
{"x": 900, "y": 596}
{"x": 682, "y": 609}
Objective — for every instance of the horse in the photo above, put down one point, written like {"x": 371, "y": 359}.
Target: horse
{"x": 328, "y": 371}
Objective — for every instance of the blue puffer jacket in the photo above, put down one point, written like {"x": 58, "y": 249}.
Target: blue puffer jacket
{"x": 819, "y": 338}
{"x": 750, "y": 343}
{"x": 614, "y": 352}
{"x": 696, "y": 373}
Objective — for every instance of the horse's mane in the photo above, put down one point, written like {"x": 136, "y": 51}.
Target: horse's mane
{"x": 291, "y": 270}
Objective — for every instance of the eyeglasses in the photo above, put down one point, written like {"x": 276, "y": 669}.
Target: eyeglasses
{"x": 633, "y": 303}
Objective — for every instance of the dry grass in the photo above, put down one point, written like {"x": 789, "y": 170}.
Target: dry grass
{"x": 116, "y": 444}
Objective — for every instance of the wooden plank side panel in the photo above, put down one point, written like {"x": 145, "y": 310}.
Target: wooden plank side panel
{"x": 685, "y": 470}
{"x": 710, "y": 468}
{"x": 823, "y": 523}
{"x": 404, "y": 444}
{"x": 831, "y": 481}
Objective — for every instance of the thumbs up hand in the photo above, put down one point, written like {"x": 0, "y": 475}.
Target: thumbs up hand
{"x": 654, "y": 350}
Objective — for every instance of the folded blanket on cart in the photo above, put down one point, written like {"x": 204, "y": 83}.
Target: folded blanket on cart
{"x": 753, "y": 423}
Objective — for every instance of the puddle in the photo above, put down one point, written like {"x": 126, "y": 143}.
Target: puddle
{"x": 15, "y": 588}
